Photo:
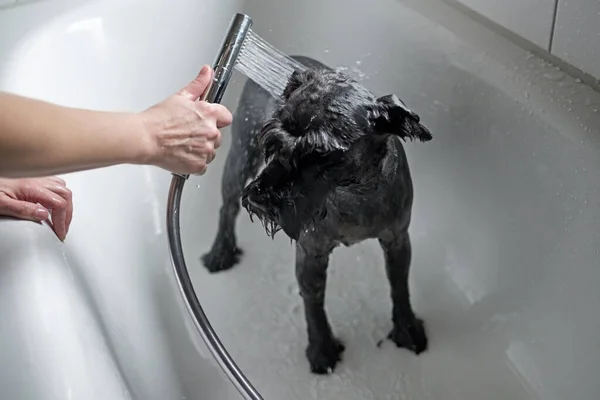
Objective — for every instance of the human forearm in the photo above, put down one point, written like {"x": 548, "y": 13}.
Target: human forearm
{"x": 179, "y": 134}
{"x": 39, "y": 138}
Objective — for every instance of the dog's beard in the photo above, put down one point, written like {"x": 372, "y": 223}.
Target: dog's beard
{"x": 269, "y": 222}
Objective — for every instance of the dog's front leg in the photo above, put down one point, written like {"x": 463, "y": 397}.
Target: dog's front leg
{"x": 408, "y": 330}
{"x": 324, "y": 350}
{"x": 242, "y": 163}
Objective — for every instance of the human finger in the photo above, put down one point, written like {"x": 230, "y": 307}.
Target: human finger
{"x": 223, "y": 116}
{"x": 56, "y": 204}
{"x": 65, "y": 214}
{"x": 217, "y": 112}
{"x": 218, "y": 141}
{"x": 22, "y": 209}
{"x": 56, "y": 180}
{"x": 197, "y": 87}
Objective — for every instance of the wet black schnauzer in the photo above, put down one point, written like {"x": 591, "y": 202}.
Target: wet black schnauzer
{"x": 336, "y": 173}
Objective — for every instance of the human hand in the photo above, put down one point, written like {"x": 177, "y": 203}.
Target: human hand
{"x": 184, "y": 131}
{"x": 38, "y": 199}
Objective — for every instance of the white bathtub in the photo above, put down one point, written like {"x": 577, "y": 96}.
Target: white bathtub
{"x": 506, "y": 226}
{"x": 506, "y": 223}
{"x": 100, "y": 317}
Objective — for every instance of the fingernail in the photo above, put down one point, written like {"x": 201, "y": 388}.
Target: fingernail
{"x": 204, "y": 70}
{"x": 41, "y": 213}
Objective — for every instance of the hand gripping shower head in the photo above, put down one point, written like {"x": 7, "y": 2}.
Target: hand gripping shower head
{"x": 223, "y": 68}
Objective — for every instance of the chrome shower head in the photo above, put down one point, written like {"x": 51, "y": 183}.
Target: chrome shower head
{"x": 228, "y": 54}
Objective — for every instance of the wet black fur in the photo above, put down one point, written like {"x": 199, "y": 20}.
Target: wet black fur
{"x": 336, "y": 173}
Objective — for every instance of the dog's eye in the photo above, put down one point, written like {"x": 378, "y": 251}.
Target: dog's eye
{"x": 289, "y": 126}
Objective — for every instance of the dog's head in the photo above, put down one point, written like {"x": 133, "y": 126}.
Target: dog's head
{"x": 321, "y": 113}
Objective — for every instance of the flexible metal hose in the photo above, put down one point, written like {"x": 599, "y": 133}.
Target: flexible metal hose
{"x": 223, "y": 67}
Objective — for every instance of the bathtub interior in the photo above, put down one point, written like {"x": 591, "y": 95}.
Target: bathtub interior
{"x": 118, "y": 327}
{"x": 505, "y": 226}
{"x": 505, "y": 231}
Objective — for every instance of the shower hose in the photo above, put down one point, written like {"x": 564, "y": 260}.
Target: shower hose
{"x": 223, "y": 68}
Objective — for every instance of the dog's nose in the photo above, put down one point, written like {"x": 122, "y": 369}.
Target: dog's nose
{"x": 251, "y": 196}
{"x": 252, "y": 190}
{"x": 255, "y": 197}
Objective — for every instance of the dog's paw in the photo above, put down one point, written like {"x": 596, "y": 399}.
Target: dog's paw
{"x": 411, "y": 336}
{"x": 324, "y": 357}
{"x": 221, "y": 260}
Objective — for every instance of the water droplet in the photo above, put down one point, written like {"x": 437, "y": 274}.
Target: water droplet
{"x": 296, "y": 309}
{"x": 292, "y": 289}
{"x": 198, "y": 186}
{"x": 358, "y": 62}
{"x": 326, "y": 50}
{"x": 554, "y": 76}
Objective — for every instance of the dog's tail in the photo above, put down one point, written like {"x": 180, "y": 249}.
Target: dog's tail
{"x": 393, "y": 117}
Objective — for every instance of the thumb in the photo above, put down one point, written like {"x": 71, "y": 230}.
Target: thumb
{"x": 23, "y": 210}
{"x": 196, "y": 88}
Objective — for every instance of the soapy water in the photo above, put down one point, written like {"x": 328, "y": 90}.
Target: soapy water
{"x": 271, "y": 68}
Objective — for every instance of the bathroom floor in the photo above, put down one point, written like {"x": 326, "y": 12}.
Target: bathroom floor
{"x": 505, "y": 231}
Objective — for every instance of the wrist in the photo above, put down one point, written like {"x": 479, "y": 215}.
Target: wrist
{"x": 147, "y": 129}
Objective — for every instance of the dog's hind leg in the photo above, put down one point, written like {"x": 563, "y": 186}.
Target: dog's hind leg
{"x": 408, "y": 330}
{"x": 324, "y": 350}
{"x": 243, "y": 162}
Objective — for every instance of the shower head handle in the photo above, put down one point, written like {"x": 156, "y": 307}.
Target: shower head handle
{"x": 227, "y": 57}
{"x": 224, "y": 63}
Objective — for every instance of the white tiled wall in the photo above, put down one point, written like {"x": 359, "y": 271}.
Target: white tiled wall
{"x": 569, "y": 29}
{"x": 530, "y": 19}
{"x": 577, "y": 34}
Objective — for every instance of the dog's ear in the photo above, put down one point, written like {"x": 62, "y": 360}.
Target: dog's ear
{"x": 391, "y": 115}
{"x": 274, "y": 140}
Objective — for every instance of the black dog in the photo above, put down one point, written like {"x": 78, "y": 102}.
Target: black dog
{"x": 336, "y": 173}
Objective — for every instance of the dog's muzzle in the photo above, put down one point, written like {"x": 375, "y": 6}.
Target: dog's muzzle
{"x": 251, "y": 200}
